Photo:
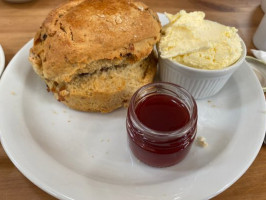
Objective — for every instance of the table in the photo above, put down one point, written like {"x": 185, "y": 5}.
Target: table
{"x": 18, "y": 24}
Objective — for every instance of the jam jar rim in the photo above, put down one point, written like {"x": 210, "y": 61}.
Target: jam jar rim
{"x": 165, "y": 134}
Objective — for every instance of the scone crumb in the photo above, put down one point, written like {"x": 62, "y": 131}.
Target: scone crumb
{"x": 201, "y": 141}
{"x": 118, "y": 20}
{"x": 101, "y": 15}
{"x": 139, "y": 6}
{"x": 64, "y": 93}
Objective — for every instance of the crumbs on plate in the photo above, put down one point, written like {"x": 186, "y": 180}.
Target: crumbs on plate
{"x": 201, "y": 141}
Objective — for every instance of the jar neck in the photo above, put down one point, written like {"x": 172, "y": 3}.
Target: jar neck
{"x": 151, "y": 134}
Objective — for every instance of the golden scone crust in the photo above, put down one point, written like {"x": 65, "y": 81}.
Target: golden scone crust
{"x": 94, "y": 54}
{"x": 82, "y": 31}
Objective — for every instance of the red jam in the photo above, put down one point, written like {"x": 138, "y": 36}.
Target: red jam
{"x": 162, "y": 113}
{"x": 161, "y": 124}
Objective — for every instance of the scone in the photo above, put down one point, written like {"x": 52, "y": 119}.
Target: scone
{"x": 94, "y": 54}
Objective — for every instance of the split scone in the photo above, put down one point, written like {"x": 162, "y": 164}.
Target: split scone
{"x": 94, "y": 54}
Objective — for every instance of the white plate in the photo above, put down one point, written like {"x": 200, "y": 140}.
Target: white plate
{"x": 78, "y": 155}
{"x": 2, "y": 60}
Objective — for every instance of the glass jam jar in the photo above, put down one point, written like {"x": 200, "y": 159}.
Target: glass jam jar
{"x": 161, "y": 124}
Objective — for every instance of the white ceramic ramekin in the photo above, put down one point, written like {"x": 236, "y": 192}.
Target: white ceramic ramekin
{"x": 199, "y": 83}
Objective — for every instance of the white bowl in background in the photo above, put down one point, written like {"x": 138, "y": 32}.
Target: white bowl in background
{"x": 2, "y": 60}
{"x": 199, "y": 82}
{"x": 259, "y": 38}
